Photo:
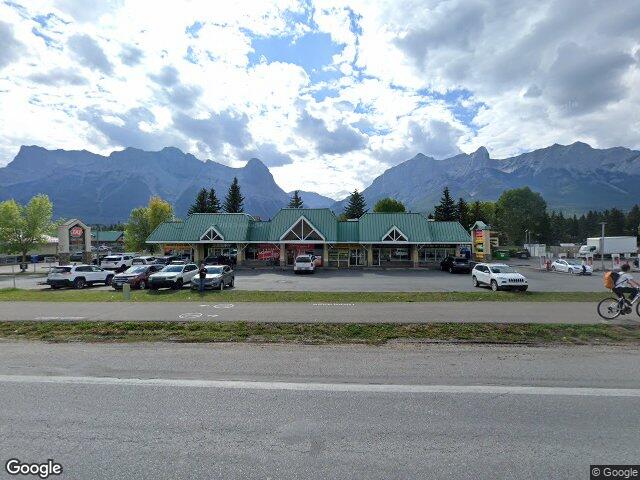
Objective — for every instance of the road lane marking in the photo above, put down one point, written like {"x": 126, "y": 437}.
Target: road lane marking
{"x": 328, "y": 387}
{"x": 223, "y": 305}
{"x": 189, "y": 316}
{"x": 334, "y": 304}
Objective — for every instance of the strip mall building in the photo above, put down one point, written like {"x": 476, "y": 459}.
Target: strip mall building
{"x": 373, "y": 240}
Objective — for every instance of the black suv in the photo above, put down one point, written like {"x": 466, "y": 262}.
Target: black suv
{"x": 455, "y": 264}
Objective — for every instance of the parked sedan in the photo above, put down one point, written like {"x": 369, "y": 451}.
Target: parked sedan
{"x": 571, "y": 266}
{"x": 137, "y": 276}
{"x": 218, "y": 277}
{"x": 455, "y": 264}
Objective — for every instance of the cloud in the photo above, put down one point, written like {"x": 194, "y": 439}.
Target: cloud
{"x": 88, "y": 53}
{"x": 11, "y": 48}
{"x": 130, "y": 129}
{"x": 131, "y": 55}
{"x": 167, "y": 77}
{"x": 218, "y": 129}
{"x": 581, "y": 80}
{"x": 184, "y": 96}
{"x": 341, "y": 140}
{"x": 59, "y": 76}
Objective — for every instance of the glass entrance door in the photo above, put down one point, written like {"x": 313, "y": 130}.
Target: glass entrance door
{"x": 356, "y": 257}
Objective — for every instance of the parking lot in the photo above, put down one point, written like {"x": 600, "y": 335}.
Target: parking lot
{"x": 419, "y": 280}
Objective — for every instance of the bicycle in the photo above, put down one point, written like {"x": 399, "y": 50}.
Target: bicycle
{"x": 610, "y": 307}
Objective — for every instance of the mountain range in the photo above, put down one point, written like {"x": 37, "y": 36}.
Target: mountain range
{"x": 103, "y": 189}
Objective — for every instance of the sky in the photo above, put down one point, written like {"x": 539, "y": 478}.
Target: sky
{"x": 327, "y": 94}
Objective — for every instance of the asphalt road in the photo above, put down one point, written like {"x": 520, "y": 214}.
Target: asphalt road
{"x": 393, "y": 312}
{"x": 156, "y": 411}
{"x": 370, "y": 281}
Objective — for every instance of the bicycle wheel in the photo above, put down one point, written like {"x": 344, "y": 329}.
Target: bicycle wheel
{"x": 609, "y": 308}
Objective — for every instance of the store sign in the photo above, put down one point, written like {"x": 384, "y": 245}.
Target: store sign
{"x": 478, "y": 242}
{"x": 76, "y": 232}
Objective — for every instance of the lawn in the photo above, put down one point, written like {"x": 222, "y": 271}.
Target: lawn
{"x": 88, "y": 295}
{"x": 331, "y": 333}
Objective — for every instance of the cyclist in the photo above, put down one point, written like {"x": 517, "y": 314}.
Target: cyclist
{"x": 626, "y": 284}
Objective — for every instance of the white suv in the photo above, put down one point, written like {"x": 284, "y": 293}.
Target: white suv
{"x": 77, "y": 276}
{"x": 498, "y": 276}
{"x": 304, "y": 263}
{"x": 116, "y": 262}
{"x": 173, "y": 276}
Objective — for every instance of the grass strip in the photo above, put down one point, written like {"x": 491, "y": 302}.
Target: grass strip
{"x": 331, "y": 333}
{"x": 88, "y": 295}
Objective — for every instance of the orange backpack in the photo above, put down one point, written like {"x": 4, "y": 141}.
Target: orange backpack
{"x": 609, "y": 279}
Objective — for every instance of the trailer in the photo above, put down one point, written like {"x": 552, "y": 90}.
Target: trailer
{"x": 608, "y": 246}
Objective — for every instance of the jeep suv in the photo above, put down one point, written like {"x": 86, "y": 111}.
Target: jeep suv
{"x": 173, "y": 276}
{"x": 77, "y": 276}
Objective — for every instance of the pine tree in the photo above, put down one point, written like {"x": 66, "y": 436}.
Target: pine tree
{"x": 213, "y": 204}
{"x": 462, "y": 210}
{"x": 233, "y": 202}
{"x": 632, "y": 222}
{"x": 200, "y": 205}
{"x": 296, "y": 200}
{"x": 446, "y": 211}
{"x": 356, "y": 206}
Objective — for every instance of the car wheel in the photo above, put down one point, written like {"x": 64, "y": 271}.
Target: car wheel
{"x": 222, "y": 285}
{"x": 142, "y": 285}
{"x": 450, "y": 269}
{"x": 55, "y": 287}
{"x": 178, "y": 284}
{"x": 108, "y": 280}
{"x": 572, "y": 271}
{"x": 79, "y": 283}
{"x": 553, "y": 268}
{"x": 494, "y": 286}
{"x": 232, "y": 282}
{"x": 524, "y": 289}
{"x": 475, "y": 281}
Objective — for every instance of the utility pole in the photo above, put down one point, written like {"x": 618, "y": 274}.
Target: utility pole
{"x": 602, "y": 247}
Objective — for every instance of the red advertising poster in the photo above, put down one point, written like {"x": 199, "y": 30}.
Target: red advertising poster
{"x": 268, "y": 252}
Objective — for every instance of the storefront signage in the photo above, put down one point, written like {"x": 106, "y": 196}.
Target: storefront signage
{"x": 478, "y": 242}
{"x": 268, "y": 252}
{"x": 76, "y": 232}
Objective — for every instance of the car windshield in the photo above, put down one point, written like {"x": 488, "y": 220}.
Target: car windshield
{"x": 303, "y": 259}
{"x": 502, "y": 269}
{"x": 60, "y": 269}
{"x": 573, "y": 262}
{"x": 136, "y": 269}
{"x": 214, "y": 270}
{"x": 111, "y": 259}
{"x": 173, "y": 268}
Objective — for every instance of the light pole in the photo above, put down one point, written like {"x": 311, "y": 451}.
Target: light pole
{"x": 526, "y": 238}
{"x": 602, "y": 246}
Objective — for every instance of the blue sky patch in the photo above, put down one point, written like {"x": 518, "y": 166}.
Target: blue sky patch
{"x": 311, "y": 51}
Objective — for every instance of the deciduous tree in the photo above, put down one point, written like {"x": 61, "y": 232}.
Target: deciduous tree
{"x": 388, "y": 205}
{"x": 23, "y": 227}
{"x": 143, "y": 221}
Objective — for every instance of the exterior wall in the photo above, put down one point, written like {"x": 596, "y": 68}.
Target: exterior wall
{"x": 240, "y": 256}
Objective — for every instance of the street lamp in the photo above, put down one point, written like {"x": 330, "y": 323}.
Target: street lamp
{"x": 602, "y": 247}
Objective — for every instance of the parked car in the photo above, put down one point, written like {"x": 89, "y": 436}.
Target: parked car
{"x": 220, "y": 260}
{"x": 218, "y": 276}
{"x": 455, "y": 264}
{"x": 137, "y": 276}
{"x": 76, "y": 256}
{"x": 498, "y": 276}
{"x": 119, "y": 263}
{"x": 78, "y": 276}
{"x": 167, "y": 259}
{"x": 570, "y": 266}
{"x": 304, "y": 263}
{"x": 144, "y": 260}
{"x": 524, "y": 253}
{"x": 173, "y": 276}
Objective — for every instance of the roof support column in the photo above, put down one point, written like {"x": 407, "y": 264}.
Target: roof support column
{"x": 198, "y": 253}
{"x": 369, "y": 248}
{"x": 414, "y": 255}
{"x": 283, "y": 255}
{"x": 325, "y": 255}
{"x": 240, "y": 256}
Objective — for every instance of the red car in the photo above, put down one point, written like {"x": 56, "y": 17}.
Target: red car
{"x": 137, "y": 276}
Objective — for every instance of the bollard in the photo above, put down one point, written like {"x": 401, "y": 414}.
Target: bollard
{"x": 126, "y": 291}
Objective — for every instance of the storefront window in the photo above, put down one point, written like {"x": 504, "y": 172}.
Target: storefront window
{"x": 391, "y": 256}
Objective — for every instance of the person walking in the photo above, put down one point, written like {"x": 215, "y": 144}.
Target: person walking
{"x": 202, "y": 274}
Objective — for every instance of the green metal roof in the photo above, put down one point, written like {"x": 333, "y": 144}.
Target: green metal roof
{"x": 323, "y": 219}
{"x": 348, "y": 232}
{"x": 167, "y": 232}
{"x": 449, "y": 232}
{"x": 106, "y": 235}
{"x": 370, "y": 228}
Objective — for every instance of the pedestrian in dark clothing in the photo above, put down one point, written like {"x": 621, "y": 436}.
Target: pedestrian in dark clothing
{"x": 202, "y": 274}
